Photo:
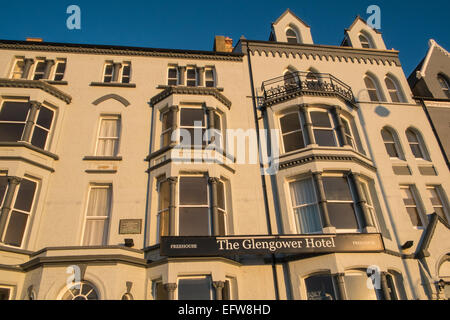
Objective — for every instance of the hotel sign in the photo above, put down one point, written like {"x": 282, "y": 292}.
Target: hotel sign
{"x": 243, "y": 245}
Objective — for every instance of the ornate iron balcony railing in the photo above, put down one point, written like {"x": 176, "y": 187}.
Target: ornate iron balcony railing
{"x": 294, "y": 84}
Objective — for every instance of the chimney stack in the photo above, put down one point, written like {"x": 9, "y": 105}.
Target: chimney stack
{"x": 34, "y": 39}
{"x": 223, "y": 44}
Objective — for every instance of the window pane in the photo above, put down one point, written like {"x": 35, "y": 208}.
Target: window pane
{"x": 40, "y": 70}
{"x": 193, "y": 191}
{"x": 167, "y": 120}
{"x": 39, "y": 137}
{"x": 373, "y": 95}
{"x": 415, "y": 149}
{"x": 412, "y": 137}
{"x": 325, "y": 138}
{"x": 3, "y": 187}
{"x": 342, "y": 215}
{"x": 320, "y": 287}
{"x": 95, "y": 232}
{"x": 173, "y": 73}
{"x": 190, "y": 116}
{"x": 16, "y": 228}
{"x": 293, "y": 141}
{"x": 391, "y": 150}
{"x": 161, "y": 292}
{"x": 394, "y": 96}
{"x": 11, "y": 131}
{"x": 320, "y": 119}
{"x": 14, "y": 111}
{"x": 45, "y": 117}
{"x": 290, "y": 122}
{"x": 194, "y": 289}
{"x": 99, "y": 202}
{"x": 414, "y": 216}
{"x": 191, "y": 74}
{"x": 303, "y": 192}
{"x": 194, "y": 222}
{"x": 356, "y": 287}
{"x": 4, "y": 294}
{"x": 24, "y": 199}
{"x": 221, "y": 195}
{"x": 61, "y": 68}
{"x": 166, "y": 138}
{"x": 337, "y": 188}
{"x": 164, "y": 195}
{"x": 308, "y": 219}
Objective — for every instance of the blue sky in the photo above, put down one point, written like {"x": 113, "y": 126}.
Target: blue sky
{"x": 406, "y": 25}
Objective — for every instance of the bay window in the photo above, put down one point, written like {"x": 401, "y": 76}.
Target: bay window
{"x": 15, "y": 221}
{"x": 163, "y": 209}
{"x": 25, "y": 121}
{"x": 291, "y": 131}
{"x": 341, "y": 203}
{"x": 305, "y": 206}
{"x": 321, "y": 287}
{"x": 323, "y": 128}
{"x": 348, "y": 133}
{"x": 356, "y": 287}
{"x": 195, "y": 288}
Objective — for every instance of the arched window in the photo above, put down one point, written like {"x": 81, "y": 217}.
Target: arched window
{"x": 81, "y": 291}
{"x": 416, "y": 144}
{"x": 356, "y": 287}
{"x": 391, "y": 144}
{"x": 372, "y": 89}
{"x": 291, "y": 36}
{"x": 365, "y": 42}
{"x": 393, "y": 89}
{"x": 321, "y": 287}
{"x": 445, "y": 86}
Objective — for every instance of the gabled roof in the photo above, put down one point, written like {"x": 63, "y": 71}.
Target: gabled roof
{"x": 432, "y": 45}
{"x": 288, "y": 11}
{"x": 358, "y": 17}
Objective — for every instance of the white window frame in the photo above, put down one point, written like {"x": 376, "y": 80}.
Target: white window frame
{"x": 442, "y": 198}
{"x": 292, "y": 207}
{"x": 376, "y": 88}
{"x": 366, "y": 41}
{"x": 28, "y": 224}
{"x": 370, "y": 204}
{"x": 211, "y": 291}
{"x": 214, "y": 81}
{"x": 104, "y": 75}
{"x": 290, "y": 132}
{"x": 203, "y": 128}
{"x": 208, "y": 204}
{"x": 218, "y": 134}
{"x": 159, "y": 210}
{"x": 357, "y": 212}
{"x": 196, "y": 76}
{"x": 121, "y": 75}
{"x": 224, "y": 211}
{"x": 116, "y": 139}
{"x": 169, "y": 128}
{"x": 49, "y": 131}
{"x": 351, "y": 134}
{"x": 37, "y": 62}
{"x": 55, "y": 69}
{"x": 395, "y": 142}
{"x": 397, "y": 90}
{"x": 297, "y": 40}
{"x": 107, "y": 218}
{"x": 12, "y": 73}
{"x": 332, "y": 129}
{"x": 412, "y": 189}
{"x": 177, "y": 79}
{"x": 419, "y": 143}
{"x": 445, "y": 86}
{"x": 16, "y": 122}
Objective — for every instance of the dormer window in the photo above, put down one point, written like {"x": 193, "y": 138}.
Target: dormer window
{"x": 365, "y": 43}
{"x": 291, "y": 36}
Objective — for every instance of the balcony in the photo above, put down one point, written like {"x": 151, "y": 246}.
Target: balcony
{"x": 295, "y": 84}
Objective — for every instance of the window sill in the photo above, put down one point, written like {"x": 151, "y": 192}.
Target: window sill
{"x": 29, "y": 146}
{"x": 113, "y": 84}
{"x": 61, "y": 83}
{"x": 182, "y": 86}
{"x": 102, "y": 158}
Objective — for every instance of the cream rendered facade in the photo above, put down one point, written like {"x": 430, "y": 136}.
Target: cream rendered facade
{"x": 66, "y": 169}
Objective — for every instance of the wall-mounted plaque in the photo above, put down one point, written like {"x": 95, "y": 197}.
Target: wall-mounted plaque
{"x": 130, "y": 226}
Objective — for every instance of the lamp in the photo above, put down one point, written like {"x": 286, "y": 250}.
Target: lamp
{"x": 441, "y": 284}
{"x": 129, "y": 243}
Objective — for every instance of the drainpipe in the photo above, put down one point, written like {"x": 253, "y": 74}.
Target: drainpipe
{"x": 263, "y": 180}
